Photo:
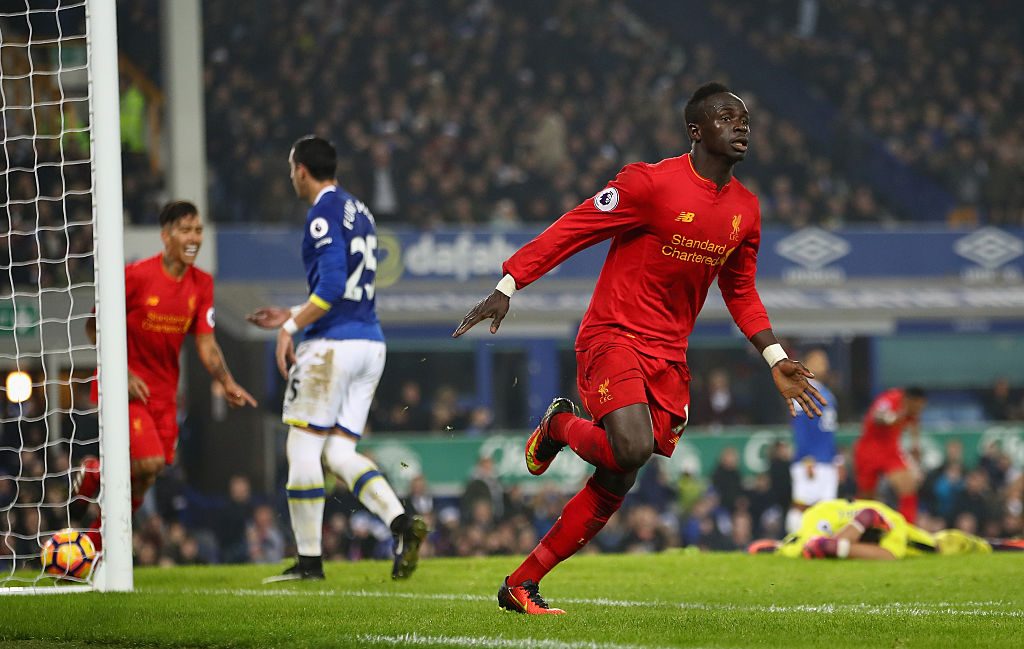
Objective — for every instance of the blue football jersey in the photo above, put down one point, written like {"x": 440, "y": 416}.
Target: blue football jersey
{"x": 339, "y": 250}
{"x": 816, "y": 437}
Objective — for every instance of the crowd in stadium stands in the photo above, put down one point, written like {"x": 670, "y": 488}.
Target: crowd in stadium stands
{"x": 46, "y": 241}
{"x": 941, "y": 83}
{"x": 46, "y": 237}
{"x": 484, "y": 113}
{"x": 479, "y": 113}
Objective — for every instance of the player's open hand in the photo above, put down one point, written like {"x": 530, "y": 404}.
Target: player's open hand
{"x": 493, "y": 307}
{"x": 269, "y": 317}
{"x": 285, "y": 352}
{"x": 237, "y": 396}
{"x": 137, "y": 388}
{"x": 791, "y": 380}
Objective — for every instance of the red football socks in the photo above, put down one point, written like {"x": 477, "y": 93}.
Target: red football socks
{"x": 581, "y": 520}
{"x": 908, "y": 507}
{"x": 587, "y": 440}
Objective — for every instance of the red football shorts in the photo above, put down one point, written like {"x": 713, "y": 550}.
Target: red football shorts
{"x": 872, "y": 460}
{"x": 154, "y": 430}
{"x": 611, "y": 376}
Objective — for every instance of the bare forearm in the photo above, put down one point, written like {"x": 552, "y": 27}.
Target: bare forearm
{"x": 213, "y": 360}
{"x": 763, "y": 339}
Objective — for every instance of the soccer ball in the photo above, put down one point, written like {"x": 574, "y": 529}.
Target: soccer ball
{"x": 69, "y": 554}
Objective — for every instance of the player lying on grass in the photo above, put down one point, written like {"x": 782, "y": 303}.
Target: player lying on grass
{"x": 869, "y": 529}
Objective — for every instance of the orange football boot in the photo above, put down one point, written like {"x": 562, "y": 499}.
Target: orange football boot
{"x": 540, "y": 448}
{"x": 524, "y": 598}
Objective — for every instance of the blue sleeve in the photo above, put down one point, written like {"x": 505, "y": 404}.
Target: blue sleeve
{"x": 330, "y": 249}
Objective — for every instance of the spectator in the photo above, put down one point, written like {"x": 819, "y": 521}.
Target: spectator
{"x": 483, "y": 486}
{"x": 1001, "y": 402}
{"x": 231, "y": 521}
{"x": 419, "y": 499}
{"x": 726, "y": 478}
{"x": 646, "y": 534}
{"x": 266, "y": 542}
{"x": 943, "y": 484}
{"x": 410, "y": 413}
{"x": 973, "y": 507}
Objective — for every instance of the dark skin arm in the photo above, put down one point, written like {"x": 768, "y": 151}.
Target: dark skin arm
{"x": 791, "y": 378}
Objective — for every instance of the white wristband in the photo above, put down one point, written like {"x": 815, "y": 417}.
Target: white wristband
{"x": 773, "y": 354}
{"x": 290, "y": 326}
{"x": 842, "y": 548}
{"x": 507, "y": 285}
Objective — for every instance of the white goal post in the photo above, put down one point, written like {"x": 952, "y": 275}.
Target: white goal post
{"x": 61, "y": 259}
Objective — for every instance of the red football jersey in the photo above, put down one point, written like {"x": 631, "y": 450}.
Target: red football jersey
{"x": 885, "y": 420}
{"x": 672, "y": 234}
{"x": 160, "y": 311}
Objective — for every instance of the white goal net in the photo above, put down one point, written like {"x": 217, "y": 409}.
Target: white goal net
{"x": 58, "y": 81}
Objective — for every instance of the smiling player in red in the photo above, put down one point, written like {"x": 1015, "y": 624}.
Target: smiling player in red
{"x": 166, "y": 298}
{"x": 675, "y": 227}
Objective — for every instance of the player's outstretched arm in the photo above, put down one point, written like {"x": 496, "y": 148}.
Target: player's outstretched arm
{"x": 493, "y": 307}
{"x": 213, "y": 359}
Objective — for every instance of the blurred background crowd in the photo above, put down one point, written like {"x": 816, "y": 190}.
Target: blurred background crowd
{"x": 720, "y": 509}
{"x": 475, "y": 111}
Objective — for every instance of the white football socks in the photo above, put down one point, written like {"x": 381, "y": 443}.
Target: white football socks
{"x": 363, "y": 478}
{"x": 306, "y": 490}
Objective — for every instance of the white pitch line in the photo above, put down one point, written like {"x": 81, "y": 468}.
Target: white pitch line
{"x": 417, "y": 640}
{"x": 965, "y": 609}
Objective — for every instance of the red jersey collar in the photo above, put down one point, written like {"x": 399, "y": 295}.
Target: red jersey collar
{"x": 701, "y": 181}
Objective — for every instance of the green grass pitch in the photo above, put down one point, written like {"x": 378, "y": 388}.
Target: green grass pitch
{"x": 673, "y": 599}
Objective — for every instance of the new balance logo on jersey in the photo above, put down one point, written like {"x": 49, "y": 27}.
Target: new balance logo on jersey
{"x": 686, "y": 217}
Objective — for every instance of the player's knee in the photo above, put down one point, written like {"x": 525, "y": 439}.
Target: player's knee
{"x": 632, "y": 451}
{"x": 305, "y": 471}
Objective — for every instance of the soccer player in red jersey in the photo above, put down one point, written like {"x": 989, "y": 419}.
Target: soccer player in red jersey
{"x": 166, "y": 298}
{"x": 675, "y": 226}
{"x": 877, "y": 452}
